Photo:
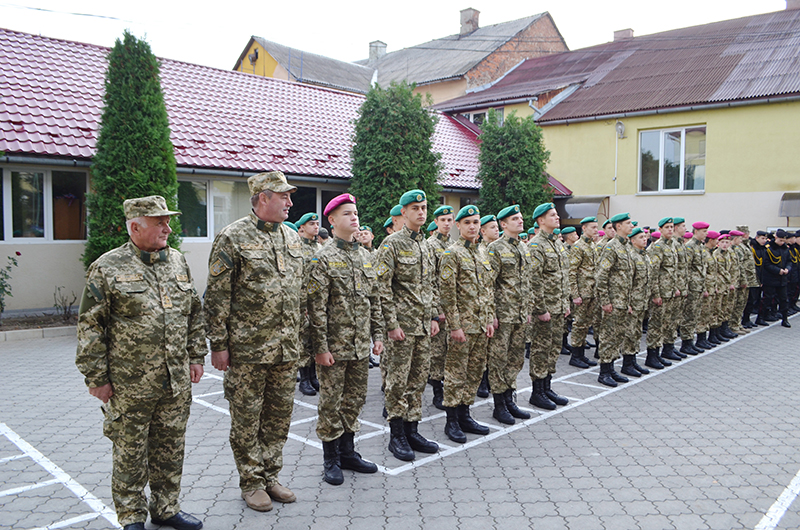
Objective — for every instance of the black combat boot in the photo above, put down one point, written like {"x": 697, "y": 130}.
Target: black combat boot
{"x": 312, "y": 376}
{"x": 687, "y": 347}
{"x": 643, "y": 371}
{"x": 720, "y": 335}
{"x": 627, "y": 366}
{"x": 761, "y": 322}
{"x": 331, "y": 464}
{"x": 668, "y": 352}
{"x": 451, "y": 428}
{"x": 305, "y": 382}
{"x": 501, "y": 413}
{"x": 653, "y": 360}
{"x": 712, "y": 337}
{"x": 699, "y": 349}
{"x": 483, "y": 388}
{"x": 565, "y": 345}
{"x": 785, "y": 321}
{"x": 703, "y": 342}
{"x": 577, "y": 357}
{"x": 617, "y": 377}
{"x": 539, "y": 398}
{"x": 549, "y": 392}
{"x": 512, "y": 407}
{"x": 596, "y": 348}
{"x": 416, "y": 441}
{"x": 772, "y": 317}
{"x": 590, "y": 362}
{"x": 438, "y": 393}
{"x": 398, "y": 444}
{"x": 605, "y": 377}
{"x": 468, "y": 424}
{"x": 727, "y": 331}
{"x": 350, "y": 459}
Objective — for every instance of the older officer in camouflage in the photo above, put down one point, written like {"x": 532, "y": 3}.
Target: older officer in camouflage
{"x": 511, "y": 264}
{"x": 254, "y": 307}
{"x": 614, "y": 285}
{"x": 345, "y": 313}
{"x": 409, "y": 301}
{"x": 467, "y": 297}
{"x": 582, "y": 260}
{"x": 550, "y": 289}
{"x": 140, "y": 343}
{"x": 439, "y": 241}
{"x": 308, "y": 228}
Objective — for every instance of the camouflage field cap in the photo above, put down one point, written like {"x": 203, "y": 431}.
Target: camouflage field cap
{"x": 272, "y": 181}
{"x": 152, "y": 206}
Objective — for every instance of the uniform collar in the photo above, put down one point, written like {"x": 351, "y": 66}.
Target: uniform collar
{"x": 587, "y": 239}
{"x": 467, "y": 243}
{"x": 149, "y": 258}
{"x": 309, "y": 241}
{"x": 441, "y": 237}
{"x": 548, "y": 236}
{"x": 346, "y": 245}
{"x": 264, "y": 226}
{"x": 623, "y": 240}
{"x": 416, "y": 236}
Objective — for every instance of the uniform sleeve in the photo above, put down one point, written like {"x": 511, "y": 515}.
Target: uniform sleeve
{"x": 575, "y": 260}
{"x": 537, "y": 280}
{"x": 222, "y": 271}
{"x": 656, "y": 255}
{"x": 196, "y": 338}
{"x": 376, "y": 314}
{"x": 607, "y": 259}
{"x": 92, "y": 356}
{"x": 496, "y": 264}
{"x": 318, "y": 291}
{"x": 448, "y": 280}
{"x": 385, "y": 271}
{"x": 433, "y": 260}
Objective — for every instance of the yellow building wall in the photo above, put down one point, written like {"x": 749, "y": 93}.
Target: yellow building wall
{"x": 444, "y": 90}
{"x": 266, "y": 65}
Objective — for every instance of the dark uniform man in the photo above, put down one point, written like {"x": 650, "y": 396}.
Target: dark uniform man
{"x": 582, "y": 260}
{"x": 550, "y": 287}
{"x": 140, "y": 343}
{"x": 254, "y": 307}
{"x": 759, "y": 250}
{"x": 409, "y": 301}
{"x": 775, "y": 274}
{"x": 345, "y": 313}
{"x": 308, "y": 228}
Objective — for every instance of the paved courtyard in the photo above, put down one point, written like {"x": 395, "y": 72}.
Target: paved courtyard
{"x": 712, "y": 442}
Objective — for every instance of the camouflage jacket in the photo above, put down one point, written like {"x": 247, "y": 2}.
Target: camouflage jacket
{"x": 549, "y": 277}
{"x": 696, "y": 265}
{"x": 438, "y": 243}
{"x": 712, "y": 276}
{"x": 582, "y": 261}
{"x": 664, "y": 260}
{"x": 467, "y": 290}
{"x": 343, "y": 303}
{"x": 682, "y": 269}
{"x": 511, "y": 267}
{"x": 742, "y": 255}
{"x": 140, "y": 322}
{"x": 601, "y": 244}
{"x": 615, "y": 274}
{"x": 256, "y": 293}
{"x": 749, "y": 265}
{"x": 724, "y": 269}
{"x": 640, "y": 290}
{"x": 405, "y": 265}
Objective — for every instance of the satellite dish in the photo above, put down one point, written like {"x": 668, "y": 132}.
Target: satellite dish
{"x": 620, "y": 127}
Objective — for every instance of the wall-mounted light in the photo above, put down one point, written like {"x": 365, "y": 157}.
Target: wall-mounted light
{"x": 253, "y": 57}
{"x": 620, "y": 127}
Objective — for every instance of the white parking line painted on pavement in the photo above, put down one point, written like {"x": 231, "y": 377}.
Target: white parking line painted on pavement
{"x": 61, "y": 476}
{"x": 29, "y": 487}
{"x": 69, "y": 522}
{"x": 776, "y": 511}
{"x": 10, "y": 458}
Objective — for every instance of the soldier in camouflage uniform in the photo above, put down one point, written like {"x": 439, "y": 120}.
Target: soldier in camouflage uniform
{"x": 582, "y": 260}
{"x": 439, "y": 241}
{"x": 682, "y": 277}
{"x": 140, "y": 343}
{"x": 409, "y": 301}
{"x": 345, "y": 314}
{"x": 308, "y": 228}
{"x": 729, "y": 277}
{"x": 742, "y": 256}
{"x": 750, "y": 277}
{"x": 639, "y": 300}
{"x": 467, "y": 298}
{"x": 511, "y": 265}
{"x": 490, "y": 232}
{"x": 254, "y": 307}
{"x": 710, "y": 303}
{"x": 697, "y": 269}
{"x": 550, "y": 288}
{"x": 661, "y": 329}
{"x": 614, "y": 286}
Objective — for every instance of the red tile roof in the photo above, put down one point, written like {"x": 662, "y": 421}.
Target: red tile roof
{"x": 746, "y": 58}
{"x": 51, "y": 99}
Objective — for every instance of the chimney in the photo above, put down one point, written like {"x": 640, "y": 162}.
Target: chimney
{"x": 792, "y": 4}
{"x": 377, "y": 49}
{"x": 624, "y": 34}
{"x": 469, "y": 20}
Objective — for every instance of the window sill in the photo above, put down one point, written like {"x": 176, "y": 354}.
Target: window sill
{"x": 659, "y": 193}
{"x": 40, "y": 241}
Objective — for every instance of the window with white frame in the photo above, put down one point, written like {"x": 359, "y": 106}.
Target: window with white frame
{"x": 42, "y": 204}
{"x": 672, "y": 160}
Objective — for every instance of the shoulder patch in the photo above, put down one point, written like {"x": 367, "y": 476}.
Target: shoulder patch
{"x": 314, "y": 260}
{"x": 182, "y": 277}
{"x": 382, "y": 269}
{"x": 226, "y": 259}
{"x": 447, "y": 273}
{"x": 367, "y": 265}
{"x": 96, "y": 293}
{"x": 313, "y": 286}
{"x": 386, "y": 246}
{"x": 534, "y": 244}
{"x": 218, "y": 267}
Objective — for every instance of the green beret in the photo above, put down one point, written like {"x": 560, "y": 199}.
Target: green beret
{"x": 637, "y": 230}
{"x": 568, "y": 230}
{"x": 536, "y": 225}
{"x": 523, "y": 236}
{"x": 635, "y": 223}
{"x": 531, "y": 231}
{"x": 443, "y": 210}
{"x": 387, "y": 223}
{"x": 543, "y": 209}
{"x": 365, "y": 227}
{"x": 467, "y": 211}
{"x": 432, "y": 226}
{"x": 588, "y": 220}
{"x": 396, "y": 210}
{"x": 502, "y": 232}
{"x": 487, "y": 219}
{"x": 508, "y": 210}
{"x": 557, "y": 231}
{"x": 290, "y": 225}
{"x": 311, "y": 216}
{"x": 664, "y": 221}
{"x": 620, "y": 217}
{"x": 412, "y": 196}
{"x": 608, "y": 222}
{"x": 678, "y": 220}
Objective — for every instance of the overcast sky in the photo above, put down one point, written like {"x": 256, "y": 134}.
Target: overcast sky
{"x": 215, "y": 35}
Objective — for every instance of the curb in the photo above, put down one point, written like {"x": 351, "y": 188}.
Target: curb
{"x": 38, "y": 333}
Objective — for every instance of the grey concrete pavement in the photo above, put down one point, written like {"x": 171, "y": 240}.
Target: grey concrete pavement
{"x": 711, "y": 443}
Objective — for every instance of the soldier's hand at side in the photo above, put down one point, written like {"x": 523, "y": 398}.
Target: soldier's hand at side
{"x": 103, "y": 393}
{"x": 458, "y": 335}
{"x": 567, "y": 313}
{"x": 377, "y": 348}
{"x": 397, "y": 334}
{"x": 658, "y": 301}
{"x": 434, "y": 328}
{"x": 608, "y": 308}
{"x": 677, "y": 293}
{"x": 195, "y": 372}
{"x": 630, "y": 310}
{"x": 544, "y": 317}
{"x": 442, "y": 318}
{"x": 324, "y": 359}
{"x": 221, "y": 360}
{"x": 705, "y": 294}
{"x": 490, "y": 330}
{"x": 530, "y": 318}
{"x": 577, "y": 301}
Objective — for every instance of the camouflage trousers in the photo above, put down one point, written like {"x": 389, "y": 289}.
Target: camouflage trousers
{"x": 407, "y": 364}
{"x": 684, "y": 332}
{"x": 725, "y": 307}
{"x": 691, "y": 312}
{"x": 506, "y": 356}
{"x": 585, "y": 316}
{"x": 633, "y": 336}
{"x": 615, "y": 327}
{"x": 735, "y": 318}
{"x": 662, "y": 328}
{"x": 148, "y": 436}
{"x": 439, "y": 354}
{"x": 545, "y": 345}
{"x": 261, "y": 398}
{"x": 307, "y": 351}
{"x": 464, "y": 368}
{"x": 708, "y": 318}
{"x": 342, "y": 394}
